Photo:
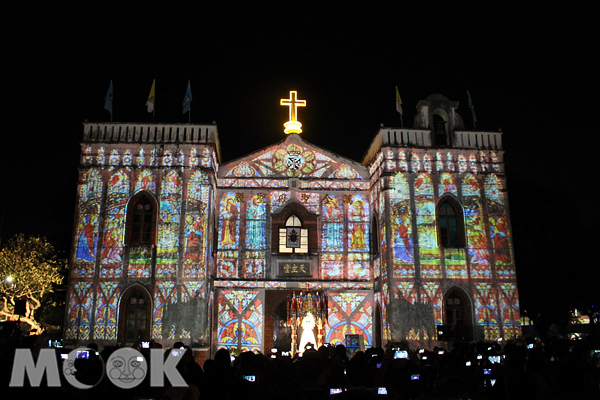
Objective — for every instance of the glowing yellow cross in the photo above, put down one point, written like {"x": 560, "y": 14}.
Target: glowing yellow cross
{"x": 293, "y": 125}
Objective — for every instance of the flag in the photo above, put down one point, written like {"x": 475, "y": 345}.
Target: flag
{"x": 150, "y": 102}
{"x": 108, "y": 100}
{"x": 187, "y": 99}
{"x": 398, "y": 101}
{"x": 471, "y": 107}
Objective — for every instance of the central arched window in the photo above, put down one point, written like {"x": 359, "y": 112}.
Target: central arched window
{"x": 141, "y": 220}
{"x": 450, "y": 225}
{"x": 293, "y": 238}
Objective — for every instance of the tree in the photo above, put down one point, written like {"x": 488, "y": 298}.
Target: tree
{"x": 29, "y": 269}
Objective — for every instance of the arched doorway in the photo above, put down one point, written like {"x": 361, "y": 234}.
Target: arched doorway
{"x": 135, "y": 314}
{"x": 457, "y": 314}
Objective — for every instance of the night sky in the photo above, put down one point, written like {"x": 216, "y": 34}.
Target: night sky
{"x": 531, "y": 71}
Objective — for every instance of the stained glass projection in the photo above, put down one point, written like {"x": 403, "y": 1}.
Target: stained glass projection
{"x": 164, "y": 293}
{"x": 484, "y": 298}
{"x": 168, "y": 226}
{"x": 256, "y": 214}
{"x": 196, "y": 222}
{"x": 81, "y": 300}
{"x": 350, "y": 313}
{"x": 240, "y": 320}
{"x": 498, "y": 222}
{"x": 107, "y": 301}
{"x": 114, "y": 225}
{"x": 90, "y": 198}
{"x": 429, "y": 251}
{"x": 358, "y": 223}
{"x": 401, "y": 226}
{"x": 332, "y": 240}
{"x": 509, "y": 306}
{"x": 229, "y": 224}
{"x": 477, "y": 242}
{"x": 333, "y": 224}
{"x": 146, "y": 181}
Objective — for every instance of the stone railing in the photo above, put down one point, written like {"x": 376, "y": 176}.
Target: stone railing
{"x": 399, "y": 137}
{"x": 149, "y": 133}
{"x": 478, "y": 140}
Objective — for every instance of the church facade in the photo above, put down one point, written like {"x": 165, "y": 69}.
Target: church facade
{"x": 413, "y": 243}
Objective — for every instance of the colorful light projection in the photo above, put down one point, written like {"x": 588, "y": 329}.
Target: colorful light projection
{"x": 477, "y": 242}
{"x": 256, "y": 215}
{"x": 498, "y": 223}
{"x": 484, "y": 299}
{"x": 310, "y": 201}
{"x": 86, "y": 236}
{"x": 81, "y": 300}
{"x": 229, "y": 235}
{"x": 168, "y": 225}
{"x": 294, "y": 159}
{"x": 107, "y": 302}
{"x": 357, "y": 210}
{"x": 447, "y": 185}
{"x": 401, "y": 226}
{"x": 309, "y": 311}
{"x": 146, "y": 181}
{"x": 350, "y": 313}
{"x": 431, "y": 293}
{"x": 117, "y": 196}
{"x": 240, "y": 320}
{"x": 196, "y": 222}
{"x": 164, "y": 293}
{"x": 140, "y": 262}
{"x": 333, "y": 224}
{"x": 254, "y": 265}
{"x": 429, "y": 251}
{"x": 332, "y": 239}
{"x": 509, "y": 305}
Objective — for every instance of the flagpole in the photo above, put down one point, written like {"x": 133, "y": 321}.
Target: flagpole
{"x": 112, "y": 101}
{"x": 401, "y": 121}
{"x": 190, "y": 111}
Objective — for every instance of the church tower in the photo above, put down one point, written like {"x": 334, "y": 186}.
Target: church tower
{"x": 445, "y": 267}
{"x": 171, "y": 244}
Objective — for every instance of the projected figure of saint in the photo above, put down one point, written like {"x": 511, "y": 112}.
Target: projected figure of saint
{"x": 229, "y": 215}
{"x": 111, "y": 253}
{"x": 357, "y": 238}
{"x": 308, "y": 336}
{"x": 333, "y": 239}
{"x": 86, "y": 243}
{"x": 255, "y": 232}
{"x": 499, "y": 238}
{"x": 402, "y": 239}
{"x": 193, "y": 235}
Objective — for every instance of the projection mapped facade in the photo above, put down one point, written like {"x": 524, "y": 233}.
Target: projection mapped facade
{"x": 414, "y": 243}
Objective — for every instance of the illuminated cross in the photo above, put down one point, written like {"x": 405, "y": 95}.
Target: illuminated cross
{"x": 293, "y": 125}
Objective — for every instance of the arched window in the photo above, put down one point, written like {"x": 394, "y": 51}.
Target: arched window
{"x": 457, "y": 314}
{"x": 450, "y": 224}
{"x": 293, "y": 238}
{"x": 440, "y": 130}
{"x": 141, "y": 220}
{"x": 135, "y": 315}
{"x": 374, "y": 236}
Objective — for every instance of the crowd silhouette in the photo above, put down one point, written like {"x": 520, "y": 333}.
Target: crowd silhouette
{"x": 558, "y": 369}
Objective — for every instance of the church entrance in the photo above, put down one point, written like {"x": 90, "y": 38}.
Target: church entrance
{"x": 457, "y": 315}
{"x": 277, "y": 333}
